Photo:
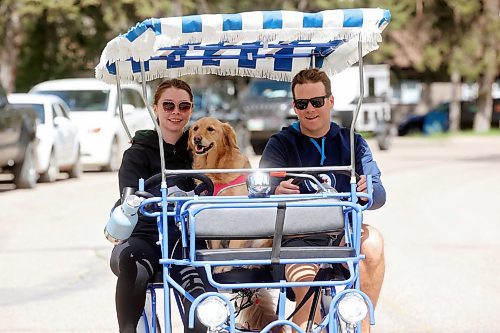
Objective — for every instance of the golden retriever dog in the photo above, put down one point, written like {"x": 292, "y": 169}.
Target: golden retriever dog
{"x": 213, "y": 145}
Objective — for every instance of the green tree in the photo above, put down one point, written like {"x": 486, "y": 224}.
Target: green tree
{"x": 448, "y": 40}
{"x": 46, "y": 39}
{"x": 11, "y": 40}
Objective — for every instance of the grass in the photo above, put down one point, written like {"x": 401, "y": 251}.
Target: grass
{"x": 441, "y": 135}
{"x": 491, "y": 132}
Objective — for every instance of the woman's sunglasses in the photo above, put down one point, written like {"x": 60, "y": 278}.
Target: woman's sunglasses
{"x": 317, "y": 102}
{"x": 182, "y": 106}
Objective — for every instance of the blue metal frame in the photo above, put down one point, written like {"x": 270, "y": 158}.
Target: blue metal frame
{"x": 186, "y": 215}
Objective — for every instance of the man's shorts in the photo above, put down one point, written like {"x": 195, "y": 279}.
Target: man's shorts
{"x": 278, "y": 271}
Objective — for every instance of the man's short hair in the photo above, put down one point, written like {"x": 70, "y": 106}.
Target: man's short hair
{"x": 312, "y": 75}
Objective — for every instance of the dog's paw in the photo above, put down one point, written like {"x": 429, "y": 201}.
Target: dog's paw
{"x": 222, "y": 269}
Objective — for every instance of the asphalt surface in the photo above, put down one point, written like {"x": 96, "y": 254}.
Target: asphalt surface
{"x": 441, "y": 225}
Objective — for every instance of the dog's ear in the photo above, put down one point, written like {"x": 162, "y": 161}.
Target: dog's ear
{"x": 229, "y": 136}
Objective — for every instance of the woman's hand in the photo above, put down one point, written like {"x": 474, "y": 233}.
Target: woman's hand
{"x": 286, "y": 187}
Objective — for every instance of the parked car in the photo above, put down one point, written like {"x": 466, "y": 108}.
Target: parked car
{"x": 58, "y": 147}
{"x": 216, "y": 101}
{"x": 437, "y": 120}
{"x": 94, "y": 107}
{"x": 18, "y": 142}
{"x": 267, "y": 105}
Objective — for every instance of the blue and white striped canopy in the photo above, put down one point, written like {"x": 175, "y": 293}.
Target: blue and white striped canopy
{"x": 269, "y": 44}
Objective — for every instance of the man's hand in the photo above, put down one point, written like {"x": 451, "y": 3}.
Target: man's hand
{"x": 286, "y": 187}
{"x": 361, "y": 186}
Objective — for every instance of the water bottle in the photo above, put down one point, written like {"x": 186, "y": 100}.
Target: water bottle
{"x": 123, "y": 219}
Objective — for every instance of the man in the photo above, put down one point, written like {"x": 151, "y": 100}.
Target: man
{"x": 316, "y": 141}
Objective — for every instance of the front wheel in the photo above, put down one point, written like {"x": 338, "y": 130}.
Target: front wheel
{"x": 114, "y": 157}
{"x": 50, "y": 175}
{"x": 77, "y": 168}
{"x": 145, "y": 324}
{"x": 25, "y": 175}
{"x": 384, "y": 137}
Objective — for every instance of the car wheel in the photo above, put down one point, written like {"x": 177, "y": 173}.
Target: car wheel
{"x": 50, "y": 175}
{"x": 77, "y": 168}
{"x": 114, "y": 157}
{"x": 258, "y": 149}
{"x": 413, "y": 131}
{"x": 258, "y": 146}
{"x": 384, "y": 138}
{"x": 242, "y": 137}
{"x": 25, "y": 175}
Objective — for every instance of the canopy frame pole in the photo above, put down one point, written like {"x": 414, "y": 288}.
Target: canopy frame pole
{"x": 120, "y": 100}
{"x": 358, "y": 107}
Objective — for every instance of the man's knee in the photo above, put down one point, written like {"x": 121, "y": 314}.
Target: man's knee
{"x": 372, "y": 243}
{"x": 301, "y": 272}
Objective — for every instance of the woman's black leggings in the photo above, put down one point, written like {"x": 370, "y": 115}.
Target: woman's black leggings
{"x": 135, "y": 262}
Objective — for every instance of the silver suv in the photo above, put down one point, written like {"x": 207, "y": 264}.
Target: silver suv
{"x": 267, "y": 105}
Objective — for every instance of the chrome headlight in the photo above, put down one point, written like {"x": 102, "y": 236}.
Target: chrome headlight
{"x": 352, "y": 308}
{"x": 212, "y": 312}
{"x": 258, "y": 185}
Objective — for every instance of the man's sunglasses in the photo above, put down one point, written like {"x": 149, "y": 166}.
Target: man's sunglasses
{"x": 182, "y": 106}
{"x": 317, "y": 102}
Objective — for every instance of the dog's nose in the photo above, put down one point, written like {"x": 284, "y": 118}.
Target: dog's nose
{"x": 197, "y": 139}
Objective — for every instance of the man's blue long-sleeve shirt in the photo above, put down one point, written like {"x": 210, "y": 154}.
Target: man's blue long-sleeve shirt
{"x": 291, "y": 148}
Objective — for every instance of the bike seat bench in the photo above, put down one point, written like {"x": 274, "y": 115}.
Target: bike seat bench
{"x": 240, "y": 221}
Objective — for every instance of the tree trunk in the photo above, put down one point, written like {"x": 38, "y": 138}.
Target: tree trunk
{"x": 203, "y": 8}
{"x": 482, "y": 119}
{"x": 9, "y": 53}
{"x": 425, "y": 103}
{"x": 176, "y": 9}
{"x": 456, "y": 94}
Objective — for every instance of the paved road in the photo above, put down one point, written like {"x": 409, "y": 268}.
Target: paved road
{"x": 440, "y": 225}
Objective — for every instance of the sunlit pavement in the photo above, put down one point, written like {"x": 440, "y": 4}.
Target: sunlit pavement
{"x": 439, "y": 224}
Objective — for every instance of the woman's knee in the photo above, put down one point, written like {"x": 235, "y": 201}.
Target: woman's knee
{"x": 132, "y": 256}
{"x": 372, "y": 243}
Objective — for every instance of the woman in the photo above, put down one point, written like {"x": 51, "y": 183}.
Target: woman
{"x": 136, "y": 260}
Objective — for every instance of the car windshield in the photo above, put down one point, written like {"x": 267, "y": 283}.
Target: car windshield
{"x": 197, "y": 100}
{"x": 38, "y": 108}
{"x": 270, "y": 89}
{"x": 82, "y": 100}
{"x": 207, "y": 101}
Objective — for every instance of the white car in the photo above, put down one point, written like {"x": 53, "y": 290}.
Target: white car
{"x": 58, "y": 144}
{"x": 94, "y": 107}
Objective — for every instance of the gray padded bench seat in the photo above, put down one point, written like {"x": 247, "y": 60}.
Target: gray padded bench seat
{"x": 285, "y": 253}
{"x": 259, "y": 222}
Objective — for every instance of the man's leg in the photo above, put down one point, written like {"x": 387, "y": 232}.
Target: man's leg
{"x": 302, "y": 273}
{"x": 372, "y": 268}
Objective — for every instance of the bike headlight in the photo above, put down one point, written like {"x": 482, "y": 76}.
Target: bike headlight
{"x": 352, "y": 308}
{"x": 212, "y": 312}
{"x": 258, "y": 185}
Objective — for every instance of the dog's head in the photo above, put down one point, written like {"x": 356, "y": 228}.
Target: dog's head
{"x": 209, "y": 134}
